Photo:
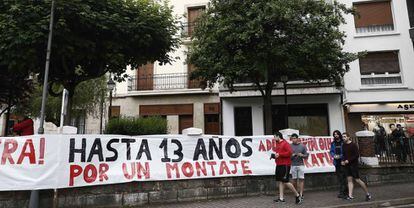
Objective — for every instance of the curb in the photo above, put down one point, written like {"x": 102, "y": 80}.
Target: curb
{"x": 375, "y": 204}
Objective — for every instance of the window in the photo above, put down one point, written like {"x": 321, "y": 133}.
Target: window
{"x": 243, "y": 121}
{"x": 372, "y": 17}
{"x": 380, "y": 68}
{"x": 193, "y": 14}
{"x": 410, "y": 7}
{"x": 115, "y": 111}
{"x": 145, "y": 77}
{"x": 309, "y": 119}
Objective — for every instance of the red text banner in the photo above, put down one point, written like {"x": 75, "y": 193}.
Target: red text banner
{"x": 61, "y": 161}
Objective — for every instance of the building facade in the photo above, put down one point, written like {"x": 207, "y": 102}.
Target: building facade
{"x": 379, "y": 88}
{"x": 166, "y": 90}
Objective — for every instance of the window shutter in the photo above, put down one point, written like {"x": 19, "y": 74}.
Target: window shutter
{"x": 373, "y": 13}
{"x": 193, "y": 14}
{"x": 379, "y": 63}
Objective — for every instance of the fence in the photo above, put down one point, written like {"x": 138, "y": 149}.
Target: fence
{"x": 163, "y": 82}
{"x": 392, "y": 152}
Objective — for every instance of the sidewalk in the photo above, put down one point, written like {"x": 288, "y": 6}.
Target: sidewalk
{"x": 402, "y": 192}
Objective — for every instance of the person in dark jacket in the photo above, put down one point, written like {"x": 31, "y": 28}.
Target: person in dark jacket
{"x": 336, "y": 154}
{"x": 350, "y": 161}
{"x": 25, "y": 127}
{"x": 283, "y": 161}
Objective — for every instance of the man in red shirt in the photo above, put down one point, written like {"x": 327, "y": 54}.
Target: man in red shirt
{"x": 25, "y": 127}
{"x": 283, "y": 162}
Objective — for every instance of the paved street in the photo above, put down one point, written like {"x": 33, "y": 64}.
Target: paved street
{"x": 383, "y": 193}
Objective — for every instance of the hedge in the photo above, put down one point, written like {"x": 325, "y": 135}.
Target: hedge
{"x": 137, "y": 126}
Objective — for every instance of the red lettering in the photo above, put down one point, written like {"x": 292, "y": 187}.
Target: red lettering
{"x": 274, "y": 145}
{"x": 314, "y": 160}
{"x": 30, "y": 154}
{"x": 268, "y": 144}
{"x": 320, "y": 156}
{"x": 170, "y": 167}
{"x": 212, "y": 163}
{"x": 223, "y": 167}
{"x": 42, "y": 151}
{"x": 322, "y": 144}
{"x": 328, "y": 158}
{"x": 187, "y": 169}
{"x": 126, "y": 173}
{"x": 201, "y": 168}
{"x": 262, "y": 147}
{"x": 103, "y": 168}
{"x": 314, "y": 145}
{"x": 307, "y": 164}
{"x": 74, "y": 171}
{"x": 8, "y": 150}
{"x": 141, "y": 170}
{"x": 90, "y": 173}
{"x": 245, "y": 167}
{"x": 234, "y": 162}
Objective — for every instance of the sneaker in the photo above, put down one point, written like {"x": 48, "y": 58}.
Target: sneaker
{"x": 302, "y": 197}
{"x": 280, "y": 200}
{"x": 368, "y": 197}
{"x": 349, "y": 198}
{"x": 299, "y": 200}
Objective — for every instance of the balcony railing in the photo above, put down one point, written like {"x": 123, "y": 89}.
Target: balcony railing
{"x": 381, "y": 79}
{"x": 187, "y": 29}
{"x": 163, "y": 82}
{"x": 375, "y": 29}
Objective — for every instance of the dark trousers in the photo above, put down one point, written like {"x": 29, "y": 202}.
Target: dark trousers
{"x": 341, "y": 176}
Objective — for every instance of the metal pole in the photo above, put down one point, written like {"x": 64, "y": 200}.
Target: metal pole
{"x": 110, "y": 105}
{"x": 34, "y": 195}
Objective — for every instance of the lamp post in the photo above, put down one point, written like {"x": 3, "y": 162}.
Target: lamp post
{"x": 111, "y": 86}
{"x": 284, "y": 80}
{"x": 34, "y": 194}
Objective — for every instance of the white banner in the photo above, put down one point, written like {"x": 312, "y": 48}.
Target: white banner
{"x": 61, "y": 161}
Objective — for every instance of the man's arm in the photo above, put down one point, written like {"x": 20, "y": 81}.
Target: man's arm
{"x": 305, "y": 153}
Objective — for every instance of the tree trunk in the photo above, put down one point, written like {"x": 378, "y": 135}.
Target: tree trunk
{"x": 267, "y": 105}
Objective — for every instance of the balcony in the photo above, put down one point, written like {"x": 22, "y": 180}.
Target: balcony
{"x": 187, "y": 29}
{"x": 374, "y": 29}
{"x": 158, "y": 82}
{"x": 381, "y": 79}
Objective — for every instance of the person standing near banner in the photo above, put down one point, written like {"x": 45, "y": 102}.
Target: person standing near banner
{"x": 24, "y": 127}
{"x": 350, "y": 162}
{"x": 283, "y": 161}
{"x": 298, "y": 168}
{"x": 336, "y": 154}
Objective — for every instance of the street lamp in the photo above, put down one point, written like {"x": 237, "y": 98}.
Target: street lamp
{"x": 284, "y": 80}
{"x": 111, "y": 86}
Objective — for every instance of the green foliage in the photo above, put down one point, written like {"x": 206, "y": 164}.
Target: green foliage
{"x": 262, "y": 40}
{"x": 89, "y": 95}
{"x": 90, "y": 37}
{"x": 137, "y": 126}
{"x": 259, "y": 41}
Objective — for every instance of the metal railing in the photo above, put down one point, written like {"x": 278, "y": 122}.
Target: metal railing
{"x": 187, "y": 29}
{"x": 381, "y": 79}
{"x": 162, "y": 82}
{"x": 394, "y": 151}
{"x": 375, "y": 29}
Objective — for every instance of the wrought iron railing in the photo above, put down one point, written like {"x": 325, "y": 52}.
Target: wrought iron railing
{"x": 187, "y": 29}
{"x": 394, "y": 151}
{"x": 162, "y": 82}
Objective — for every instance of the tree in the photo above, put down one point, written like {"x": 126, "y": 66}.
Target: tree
{"x": 261, "y": 40}
{"x": 89, "y": 95}
{"x": 90, "y": 37}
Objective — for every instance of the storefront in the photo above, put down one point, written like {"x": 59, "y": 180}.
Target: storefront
{"x": 369, "y": 116}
